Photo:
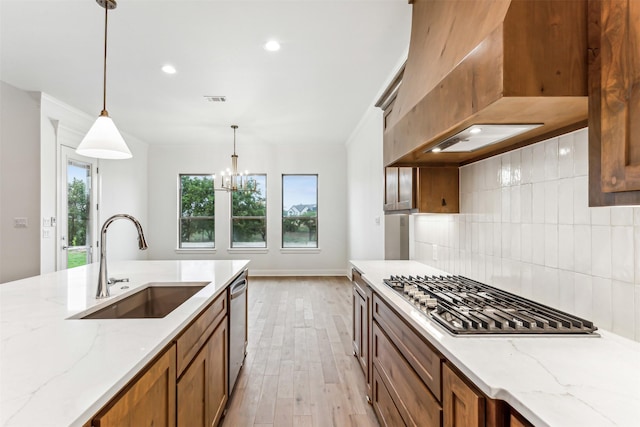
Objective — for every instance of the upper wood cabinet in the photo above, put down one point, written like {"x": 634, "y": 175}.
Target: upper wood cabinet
{"x": 614, "y": 96}
{"x": 423, "y": 190}
{"x": 400, "y": 185}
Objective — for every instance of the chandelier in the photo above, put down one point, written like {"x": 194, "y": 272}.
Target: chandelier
{"x": 231, "y": 179}
{"x": 103, "y": 141}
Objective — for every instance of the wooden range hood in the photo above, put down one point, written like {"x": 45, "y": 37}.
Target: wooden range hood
{"x": 487, "y": 62}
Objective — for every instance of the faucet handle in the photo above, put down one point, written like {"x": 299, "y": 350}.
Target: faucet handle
{"x": 113, "y": 280}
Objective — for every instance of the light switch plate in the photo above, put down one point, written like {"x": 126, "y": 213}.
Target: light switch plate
{"x": 435, "y": 252}
{"x": 20, "y": 222}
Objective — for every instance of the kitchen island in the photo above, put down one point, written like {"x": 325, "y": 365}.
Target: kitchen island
{"x": 57, "y": 371}
{"x": 549, "y": 380}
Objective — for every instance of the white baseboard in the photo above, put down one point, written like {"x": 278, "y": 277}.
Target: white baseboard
{"x": 298, "y": 272}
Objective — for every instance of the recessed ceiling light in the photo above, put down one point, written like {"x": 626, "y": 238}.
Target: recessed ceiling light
{"x": 169, "y": 69}
{"x": 272, "y": 46}
{"x": 475, "y": 130}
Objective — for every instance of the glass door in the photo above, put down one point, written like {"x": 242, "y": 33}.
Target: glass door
{"x": 78, "y": 209}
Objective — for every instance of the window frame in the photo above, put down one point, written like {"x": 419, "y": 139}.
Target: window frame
{"x": 283, "y": 217}
{"x": 180, "y": 217}
{"x": 232, "y": 217}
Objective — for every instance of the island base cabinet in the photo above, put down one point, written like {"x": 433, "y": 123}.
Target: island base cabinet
{"x": 202, "y": 389}
{"x": 463, "y": 406}
{"x": 383, "y": 405}
{"x": 149, "y": 400}
{"x": 406, "y": 389}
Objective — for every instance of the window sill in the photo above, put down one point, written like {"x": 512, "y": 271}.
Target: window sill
{"x": 300, "y": 250}
{"x": 195, "y": 251}
{"x": 247, "y": 250}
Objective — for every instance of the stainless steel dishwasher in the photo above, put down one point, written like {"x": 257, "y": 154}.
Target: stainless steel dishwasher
{"x": 237, "y": 327}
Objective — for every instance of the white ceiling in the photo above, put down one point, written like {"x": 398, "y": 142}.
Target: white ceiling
{"x": 335, "y": 57}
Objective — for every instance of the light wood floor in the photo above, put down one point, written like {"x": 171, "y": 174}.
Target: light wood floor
{"x": 300, "y": 369}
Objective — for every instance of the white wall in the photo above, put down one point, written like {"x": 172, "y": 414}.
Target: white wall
{"x": 122, "y": 183}
{"x": 166, "y": 162}
{"x": 34, "y": 126}
{"x": 19, "y": 182}
{"x": 365, "y": 180}
{"x": 525, "y": 226}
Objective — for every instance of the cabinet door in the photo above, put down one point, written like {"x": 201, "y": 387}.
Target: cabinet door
{"x": 620, "y": 95}
{"x": 438, "y": 190}
{"x": 390, "y": 189}
{"x": 217, "y": 370}
{"x": 202, "y": 389}
{"x": 463, "y": 406}
{"x": 148, "y": 401}
{"x": 357, "y": 322}
{"x": 362, "y": 334}
{"x": 383, "y": 405}
{"x": 406, "y": 193}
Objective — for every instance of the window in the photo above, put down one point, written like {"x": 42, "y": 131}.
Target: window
{"x": 197, "y": 202}
{"x": 249, "y": 215}
{"x": 299, "y": 211}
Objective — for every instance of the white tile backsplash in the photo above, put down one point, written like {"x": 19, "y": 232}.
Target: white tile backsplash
{"x": 622, "y": 215}
{"x": 565, "y": 156}
{"x": 551, "y": 202}
{"x": 525, "y": 226}
{"x": 623, "y": 299}
{"x": 622, "y": 268}
{"x": 565, "y": 201}
{"x": 581, "y": 153}
{"x": 551, "y": 159}
{"x": 601, "y": 251}
{"x": 565, "y": 247}
{"x": 551, "y": 245}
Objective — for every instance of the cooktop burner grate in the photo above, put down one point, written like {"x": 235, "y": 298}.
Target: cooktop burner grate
{"x": 467, "y": 307}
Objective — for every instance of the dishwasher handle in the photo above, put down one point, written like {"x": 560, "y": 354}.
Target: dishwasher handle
{"x": 238, "y": 288}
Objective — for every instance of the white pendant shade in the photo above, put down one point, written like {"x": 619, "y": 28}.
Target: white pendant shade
{"x": 103, "y": 141}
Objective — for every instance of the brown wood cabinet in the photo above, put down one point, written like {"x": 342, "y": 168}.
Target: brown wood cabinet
{"x": 463, "y": 405}
{"x": 383, "y": 405}
{"x": 187, "y": 384}
{"x": 410, "y": 395}
{"x": 614, "y": 102}
{"x": 412, "y": 384}
{"x": 202, "y": 389}
{"x": 361, "y": 333}
{"x": 423, "y": 190}
{"x": 400, "y": 185}
{"x": 149, "y": 400}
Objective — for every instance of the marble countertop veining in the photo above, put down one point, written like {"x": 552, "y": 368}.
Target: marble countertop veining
{"x": 56, "y": 371}
{"x": 579, "y": 381}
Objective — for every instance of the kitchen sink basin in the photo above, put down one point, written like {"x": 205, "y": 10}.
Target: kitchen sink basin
{"x": 154, "y": 301}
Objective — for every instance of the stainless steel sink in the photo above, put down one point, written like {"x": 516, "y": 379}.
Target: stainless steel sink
{"x": 152, "y": 302}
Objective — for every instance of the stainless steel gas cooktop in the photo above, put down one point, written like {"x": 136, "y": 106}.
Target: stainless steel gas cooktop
{"x": 466, "y": 307}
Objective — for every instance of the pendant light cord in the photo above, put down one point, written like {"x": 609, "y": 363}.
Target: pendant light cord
{"x": 104, "y": 70}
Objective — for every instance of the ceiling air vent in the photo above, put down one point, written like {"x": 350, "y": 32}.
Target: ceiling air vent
{"x": 215, "y": 98}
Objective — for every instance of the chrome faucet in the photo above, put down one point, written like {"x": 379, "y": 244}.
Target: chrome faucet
{"x": 103, "y": 282}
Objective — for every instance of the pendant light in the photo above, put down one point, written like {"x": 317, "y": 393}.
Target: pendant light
{"x": 232, "y": 180}
{"x": 103, "y": 141}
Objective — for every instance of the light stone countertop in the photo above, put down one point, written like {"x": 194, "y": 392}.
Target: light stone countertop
{"x": 580, "y": 381}
{"x": 56, "y": 371}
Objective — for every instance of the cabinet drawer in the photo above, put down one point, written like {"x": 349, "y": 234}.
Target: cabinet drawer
{"x": 413, "y": 400}
{"x": 426, "y": 362}
{"x": 359, "y": 283}
{"x": 196, "y": 334}
{"x": 383, "y": 405}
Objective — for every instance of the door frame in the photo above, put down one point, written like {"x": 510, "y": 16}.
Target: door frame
{"x": 65, "y": 153}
